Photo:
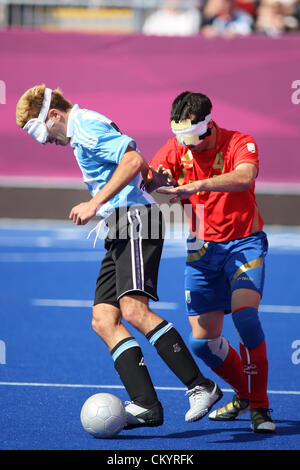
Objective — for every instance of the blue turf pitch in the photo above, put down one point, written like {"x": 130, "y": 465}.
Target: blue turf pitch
{"x": 51, "y": 360}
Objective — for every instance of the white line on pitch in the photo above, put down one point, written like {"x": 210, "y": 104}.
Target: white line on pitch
{"x": 158, "y": 305}
{"x": 174, "y": 389}
{"x": 89, "y": 303}
{"x": 279, "y": 308}
{"x": 61, "y": 303}
{"x": 51, "y": 257}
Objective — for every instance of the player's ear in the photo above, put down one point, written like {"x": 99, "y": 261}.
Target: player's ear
{"x": 54, "y": 114}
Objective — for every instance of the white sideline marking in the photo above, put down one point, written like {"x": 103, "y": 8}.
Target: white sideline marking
{"x": 61, "y": 303}
{"x": 51, "y": 257}
{"x": 173, "y": 389}
{"x": 157, "y": 305}
{"x": 89, "y": 303}
{"x": 280, "y": 308}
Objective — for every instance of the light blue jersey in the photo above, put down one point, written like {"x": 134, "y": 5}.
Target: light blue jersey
{"x": 99, "y": 148}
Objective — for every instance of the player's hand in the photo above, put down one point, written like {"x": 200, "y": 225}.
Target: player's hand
{"x": 82, "y": 213}
{"x": 158, "y": 178}
{"x": 180, "y": 192}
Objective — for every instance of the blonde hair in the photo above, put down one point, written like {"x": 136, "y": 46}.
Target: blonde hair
{"x": 30, "y": 103}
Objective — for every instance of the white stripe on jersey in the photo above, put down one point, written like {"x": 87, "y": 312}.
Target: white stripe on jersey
{"x": 117, "y": 152}
{"x": 89, "y": 115}
{"x": 85, "y": 133}
{"x": 83, "y": 138}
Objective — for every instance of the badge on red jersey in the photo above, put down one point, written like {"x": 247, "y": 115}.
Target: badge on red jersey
{"x": 251, "y": 147}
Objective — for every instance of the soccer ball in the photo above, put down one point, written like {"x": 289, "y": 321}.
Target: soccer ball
{"x": 103, "y": 415}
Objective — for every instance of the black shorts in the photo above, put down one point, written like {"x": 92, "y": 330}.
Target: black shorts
{"x": 134, "y": 245}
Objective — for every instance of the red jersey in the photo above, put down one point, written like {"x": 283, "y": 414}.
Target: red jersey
{"x": 227, "y": 216}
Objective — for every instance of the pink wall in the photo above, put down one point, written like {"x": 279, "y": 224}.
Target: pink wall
{"x": 133, "y": 80}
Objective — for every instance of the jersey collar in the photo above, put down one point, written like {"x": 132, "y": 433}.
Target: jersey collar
{"x": 71, "y": 121}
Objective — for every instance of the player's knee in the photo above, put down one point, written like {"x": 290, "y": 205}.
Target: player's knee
{"x": 102, "y": 321}
{"x": 97, "y": 323}
{"x": 248, "y": 327}
{"x": 131, "y": 313}
{"x": 213, "y": 352}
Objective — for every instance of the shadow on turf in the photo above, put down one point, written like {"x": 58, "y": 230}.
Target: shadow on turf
{"x": 283, "y": 428}
{"x": 244, "y": 434}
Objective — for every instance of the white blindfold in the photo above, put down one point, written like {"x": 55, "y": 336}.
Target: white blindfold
{"x": 188, "y": 133}
{"x": 36, "y": 127}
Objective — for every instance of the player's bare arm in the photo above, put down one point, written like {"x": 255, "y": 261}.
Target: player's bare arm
{"x": 237, "y": 180}
{"x": 131, "y": 164}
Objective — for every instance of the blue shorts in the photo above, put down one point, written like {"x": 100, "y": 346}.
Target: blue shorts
{"x": 214, "y": 270}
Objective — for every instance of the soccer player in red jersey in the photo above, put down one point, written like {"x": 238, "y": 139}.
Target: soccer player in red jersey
{"x": 213, "y": 172}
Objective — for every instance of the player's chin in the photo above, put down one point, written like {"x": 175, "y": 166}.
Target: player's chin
{"x": 62, "y": 142}
{"x": 195, "y": 148}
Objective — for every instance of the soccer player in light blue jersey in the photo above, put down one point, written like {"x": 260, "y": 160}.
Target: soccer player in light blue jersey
{"x": 112, "y": 169}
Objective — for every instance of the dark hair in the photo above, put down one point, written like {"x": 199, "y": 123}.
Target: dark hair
{"x": 190, "y": 103}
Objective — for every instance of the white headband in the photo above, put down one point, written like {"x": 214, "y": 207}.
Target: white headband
{"x": 37, "y": 127}
{"x": 186, "y": 127}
